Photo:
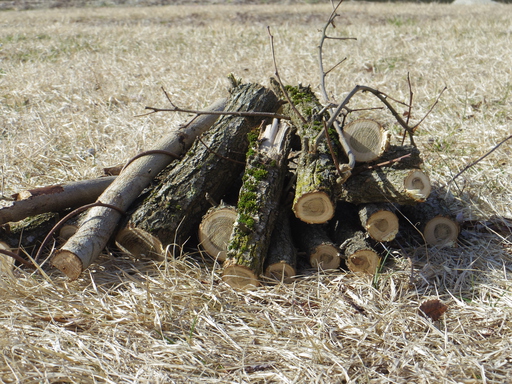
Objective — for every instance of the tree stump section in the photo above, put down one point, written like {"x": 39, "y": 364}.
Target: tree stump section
{"x": 174, "y": 207}
{"x": 379, "y": 221}
{"x": 367, "y": 139}
{"x": 386, "y": 185}
{"x": 258, "y": 204}
{"x": 215, "y": 231}
{"x": 281, "y": 259}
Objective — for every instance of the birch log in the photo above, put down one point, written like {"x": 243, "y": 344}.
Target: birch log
{"x": 90, "y": 239}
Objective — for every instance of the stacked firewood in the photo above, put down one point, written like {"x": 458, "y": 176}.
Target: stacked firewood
{"x": 256, "y": 193}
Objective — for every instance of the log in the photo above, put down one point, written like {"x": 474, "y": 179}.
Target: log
{"x": 173, "y": 208}
{"x": 87, "y": 243}
{"x": 315, "y": 192}
{"x": 367, "y": 139}
{"x": 434, "y": 219}
{"x": 257, "y": 207}
{"x": 386, "y": 184}
{"x": 379, "y": 221}
{"x": 215, "y": 230}
{"x": 281, "y": 258}
{"x": 6, "y": 262}
{"x": 54, "y": 198}
{"x": 359, "y": 255}
{"x": 320, "y": 250}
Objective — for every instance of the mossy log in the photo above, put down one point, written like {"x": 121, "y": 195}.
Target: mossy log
{"x": 215, "y": 231}
{"x": 434, "y": 219}
{"x": 258, "y": 204}
{"x": 176, "y": 204}
{"x": 315, "y": 198}
{"x": 281, "y": 258}
{"x": 386, "y": 184}
{"x": 356, "y": 250}
{"x": 320, "y": 250}
{"x": 379, "y": 221}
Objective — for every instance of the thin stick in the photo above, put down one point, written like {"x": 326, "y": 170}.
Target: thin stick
{"x": 276, "y": 73}
{"x": 16, "y": 257}
{"x": 480, "y": 159}
{"x": 216, "y": 113}
{"x": 151, "y": 152}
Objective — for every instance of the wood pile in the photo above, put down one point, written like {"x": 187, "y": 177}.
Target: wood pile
{"x": 257, "y": 194}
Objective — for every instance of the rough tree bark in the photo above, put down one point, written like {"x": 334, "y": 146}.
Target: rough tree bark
{"x": 174, "y": 207}
{"x": 87, "y": 243}
{"x": 386, "y": 185}
{"x": 258, "y": 203}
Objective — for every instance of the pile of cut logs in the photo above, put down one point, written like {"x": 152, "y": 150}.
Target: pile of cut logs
{"x": 254, "y": 191}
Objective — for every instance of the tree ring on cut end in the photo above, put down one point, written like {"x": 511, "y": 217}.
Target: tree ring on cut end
{"x": 280, "y": 272}
{"x": 418, "y": 185}
{"x": 240, "y": 277}
{"x": 215, "y": 230}
{"x": 314, "y": 208}
{"x": 441, "y": 231}
{"x": 367, "y": 139}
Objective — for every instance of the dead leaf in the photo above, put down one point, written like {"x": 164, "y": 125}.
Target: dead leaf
{"x": 433, "y": 309}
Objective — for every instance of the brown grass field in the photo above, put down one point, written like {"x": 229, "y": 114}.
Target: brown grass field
{"x": 71, "y": 84}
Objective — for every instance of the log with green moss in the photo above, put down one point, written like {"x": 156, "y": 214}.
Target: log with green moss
{"x": 386, "y": 185}
{"x": 315, "y": 197}
{"x": 258, "y": 204}
{"x": 175, "y": 205}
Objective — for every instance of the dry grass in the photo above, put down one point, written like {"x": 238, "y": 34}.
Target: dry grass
{"x": 71, "y": 82}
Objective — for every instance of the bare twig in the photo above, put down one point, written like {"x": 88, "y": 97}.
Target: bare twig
{"x": 151, "y": 152}
{"x": 276, "y": 73}
{"x": 479, "y": 159}
{"x": 16, "y": 257}
{"x": 409, "y": 111}
{"x": 364, "y": 168}
{"x": 175, "y": 108}
{"x": 430, "y": 110}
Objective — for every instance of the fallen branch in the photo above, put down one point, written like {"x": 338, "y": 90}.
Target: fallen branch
{"x": 99, "y": 224}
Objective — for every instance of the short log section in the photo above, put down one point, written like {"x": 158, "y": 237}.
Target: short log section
{"x": 215, "y": 230}
{"x": 379, "y": 221}
{"x": 320, "y": 250}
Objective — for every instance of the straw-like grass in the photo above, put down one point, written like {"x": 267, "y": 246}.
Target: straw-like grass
{"x": 71, "y": 82}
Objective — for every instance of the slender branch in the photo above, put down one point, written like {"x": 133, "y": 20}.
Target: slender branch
{"x": 16, "y": 257}
{"x": 409, "y": 111}
{"x": 151, "y": 152}
{"x": 216, "y": 113}
{"x": 276, "y": 73}
{"x": 430, "y": 110}
{"x": 335, "y": 66}
{"x": 480, "y": 159}
{"x": 364, "y": 168}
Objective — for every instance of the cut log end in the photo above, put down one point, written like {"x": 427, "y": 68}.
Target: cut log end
{"x": 140, "y": 244}
{"x": 314, "y": 208}
{"x": 240, "y": 277}
{"x": 417, "y": 185}
{"x": 363, "y": 261}
{"x": 325, "y": 256}
{"x": 67, "y": 231}
{"x": 280, "y": 272}
{"x": 367, "y": 139}
{"x": 68, "y": 263}
{"x": 215, "y": 230}
{"x": 382, "y": 226}
{"x": 441, "y": 231}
